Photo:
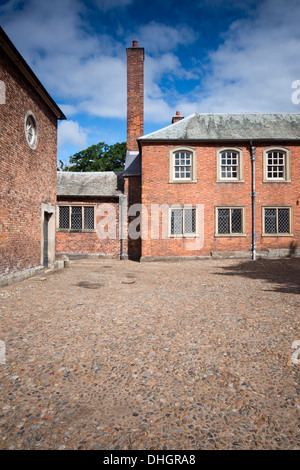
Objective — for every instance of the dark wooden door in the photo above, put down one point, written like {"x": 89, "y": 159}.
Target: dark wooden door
{"x": 46, "y": 220}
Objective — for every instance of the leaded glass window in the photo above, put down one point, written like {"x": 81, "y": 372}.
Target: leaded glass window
{"x": 229, "y": 221}
{"x": 89, "y": 218}
{"x": 76, "y": 217}
{"x": 183, "y": 221}
{"x": 277, "y": 220}
{"x": 64, "y": 217}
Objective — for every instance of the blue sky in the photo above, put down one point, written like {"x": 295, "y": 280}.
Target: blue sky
{"x": 200, "y": 56}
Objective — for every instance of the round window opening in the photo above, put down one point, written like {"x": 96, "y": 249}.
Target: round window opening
{"x": 31, "y": 131}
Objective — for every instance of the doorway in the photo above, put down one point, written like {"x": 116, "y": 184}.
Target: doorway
{"x": 47, "y": 235}
{"x": 46, "y": 238}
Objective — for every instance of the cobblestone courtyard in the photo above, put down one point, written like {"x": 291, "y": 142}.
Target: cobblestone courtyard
{"x": 113, "y": 354}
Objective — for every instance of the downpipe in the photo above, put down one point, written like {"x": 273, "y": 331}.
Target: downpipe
{"x": 253, "y": 198}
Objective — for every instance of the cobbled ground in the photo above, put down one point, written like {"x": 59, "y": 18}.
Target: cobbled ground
{"x": 190, "y": 355}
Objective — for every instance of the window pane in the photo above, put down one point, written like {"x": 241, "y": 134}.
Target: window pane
{"x": 223, "y": 220}
{"x": 229, "y": 165}
{"x": 64, "y": 214}
{"x": 176, "y": 222}
{"x": 183, "y": 165}
{"x": 89, "y": 218}
{"x": 283, "y": 221}
{"x": 190, "y": 221}
{"x": 236, "y": 221}
{"x": 270, "y": 220}
{"x": 76, "y": 218}
{"x": 276, "y": 165}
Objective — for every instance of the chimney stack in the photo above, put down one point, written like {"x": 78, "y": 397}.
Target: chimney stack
{"x": 177, "y": 117}
{"x": 135, "y": 95}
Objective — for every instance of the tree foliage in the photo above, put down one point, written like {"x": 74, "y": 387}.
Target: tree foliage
{"x": 100, "y": 157}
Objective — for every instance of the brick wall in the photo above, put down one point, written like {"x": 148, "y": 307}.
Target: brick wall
{"x": 28, "y": 177}
{"x": 156, "y": 189}
{"x": 70, "y": 242}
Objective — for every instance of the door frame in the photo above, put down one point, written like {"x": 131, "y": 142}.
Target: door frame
{"x": 48, "y": 213}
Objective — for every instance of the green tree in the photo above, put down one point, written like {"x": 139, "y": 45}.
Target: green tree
{"x": 100, "y": 157}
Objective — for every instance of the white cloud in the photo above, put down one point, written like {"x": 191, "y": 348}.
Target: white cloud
{"x": 157, "y": 37}
{"x": 84, "y": 70}
{"x": 87, "y": 71}
{"x": 70, "y": 133}
{"x": 68, "y": 109}
{"x": 253, "y": 69}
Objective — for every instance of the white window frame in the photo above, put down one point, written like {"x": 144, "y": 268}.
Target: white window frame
{"x": 277, "y": 234}
{"x": 193, "y": 172}
{"x": 230, "y": 234}
{"x": 183, "y": 209}
{"x": 287, "y": 157}
{"x": 240, "y": 166}
{"x": 31, "y": 135}
{"x": 70, "y": 218}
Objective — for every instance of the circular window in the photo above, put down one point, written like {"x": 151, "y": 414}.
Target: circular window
{"x": 31, "y": 130}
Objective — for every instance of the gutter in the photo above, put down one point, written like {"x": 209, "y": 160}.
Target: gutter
{"x": 284, "y": 140}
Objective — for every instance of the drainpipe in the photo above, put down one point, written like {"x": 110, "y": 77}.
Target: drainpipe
{"x": 122, "y": 218}
{"x": 253, "y": 196}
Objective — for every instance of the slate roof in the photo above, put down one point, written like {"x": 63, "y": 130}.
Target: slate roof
{"x": 132, "y": 164}
{"x": 230, "y": 127}
{"x": 102, "y": 183}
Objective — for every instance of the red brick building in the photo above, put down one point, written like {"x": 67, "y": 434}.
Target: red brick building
{"x": 212, "y": 184}
{"x": 235, "y": 180}
{"x": 207, "y": 185}
{"x": 88, "y": 214}
{"x": 28, "y": 123}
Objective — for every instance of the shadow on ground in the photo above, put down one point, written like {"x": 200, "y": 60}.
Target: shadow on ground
{"x": 284, "y": 273}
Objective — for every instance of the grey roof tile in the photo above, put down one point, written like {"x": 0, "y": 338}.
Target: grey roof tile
{"x": 230, "y": 127}
{"x": 102, "y": 183}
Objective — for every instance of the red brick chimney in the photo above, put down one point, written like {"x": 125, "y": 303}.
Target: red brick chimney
{"x": 135, "y": 95}
{"x": 177, "y": 117}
